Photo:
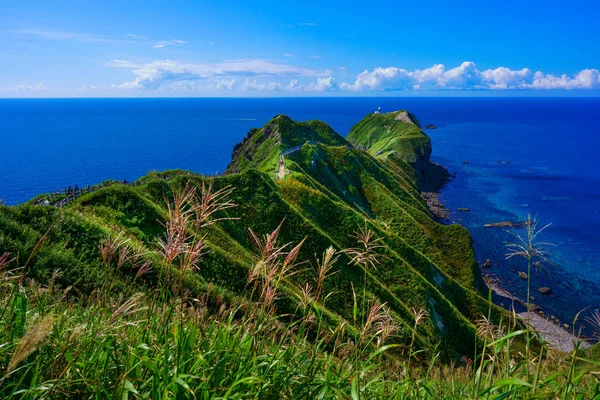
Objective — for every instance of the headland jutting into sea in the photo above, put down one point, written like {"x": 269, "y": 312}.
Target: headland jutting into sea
{"x": 396, "y": 140}
{"x": 315, "y": 265}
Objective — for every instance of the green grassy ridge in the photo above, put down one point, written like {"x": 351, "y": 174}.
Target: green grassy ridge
{"x": 226, "y": 272}
{"x": 261, "y": 148}
{"x": 396, "y": 281}
{"x": 295, "y": 133}
{"x": 214, "y": 341}
{"x": 402, "y": 168}
{"x": 331, "y": 171}
{"x": 326, "y": 214}
{"x": 398, "y": 272}
{"x": 301, "y": 223}
{"x": 341, "y": 170}
{"x": 223, "y": 274}
{"x": 448, "y": 250}
{"x": 331, "y": 190}
{"x": 381, "y": 134}
{"x": 409, "y": 216}
{"x": 344, "y": 227}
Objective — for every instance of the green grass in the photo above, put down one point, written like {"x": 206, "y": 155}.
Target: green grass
{"x": 382, "y": 134}
{"x": 261, "y": 148}
{"x": 239, "y": 310}
{"x": 153, "y": 345}
{"x": 325, "y": 205}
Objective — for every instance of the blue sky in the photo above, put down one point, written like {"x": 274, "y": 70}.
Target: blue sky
{"x": 307, "y": 48}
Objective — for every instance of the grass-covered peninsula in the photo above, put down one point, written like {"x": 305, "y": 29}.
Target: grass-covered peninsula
{"x": 313, "y": 268}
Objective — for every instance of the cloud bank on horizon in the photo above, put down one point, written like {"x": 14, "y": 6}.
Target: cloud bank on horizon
{"x": 271, "y": 76}
{"x": 268, "y": 76}
{"x": 314, "y": 48}
{"x": 468, "y": 77}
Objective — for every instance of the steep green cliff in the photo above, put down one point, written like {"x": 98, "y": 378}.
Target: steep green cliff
{"x": 394, "y": 132}
{"x": 399, "y": 133}
{"x": 329, "y": 190}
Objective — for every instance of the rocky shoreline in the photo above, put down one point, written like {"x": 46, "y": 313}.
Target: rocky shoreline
{"x": 559, "y": 337}
{"x": 435, "y": 205}
{"x": 435, "y": 179}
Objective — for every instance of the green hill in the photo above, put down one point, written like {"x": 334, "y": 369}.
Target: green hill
{"x": 311, "y": 269}
{"x": 330, "y": 191}
{"x": 399, "y": 133}
{"x": 260, "y": 149}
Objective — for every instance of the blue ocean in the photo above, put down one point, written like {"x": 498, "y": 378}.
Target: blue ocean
{"x": 511, "y": 156}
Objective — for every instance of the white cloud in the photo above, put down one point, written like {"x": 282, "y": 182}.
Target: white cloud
{"x": 157, "y": 44}
{"x": 31, "y": 88}
{"x": 157, "y": 73}
{"x": 90, "y": 88}
{"x": 315, "y": 57}
{"x": 320, "y": 85}
{"x": 467, "y": 77}
{"x": 391, "y": 78}
{"x": 84, "y": 37}
{"x": 24, "y": 90}
{"x": 302, "y": 24}
{"x": 289, "y": 55}
{"x": 133, "y": 35}
{"x": 253, "y": 85}
{"x": 586, "y": 79}
{"x": 123, "y": 64}
{"x": 62, "y": 36}
{"x": 163, "y": 43}
{"x": 210, "y": 85}
{"x": 505, "y": 78}
{"x": 264, "y": 75}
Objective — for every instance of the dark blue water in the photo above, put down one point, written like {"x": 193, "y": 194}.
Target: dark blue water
{"x": 552, "y": 146}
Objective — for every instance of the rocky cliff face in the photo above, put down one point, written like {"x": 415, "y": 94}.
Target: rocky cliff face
{"x": 405, "y": 116}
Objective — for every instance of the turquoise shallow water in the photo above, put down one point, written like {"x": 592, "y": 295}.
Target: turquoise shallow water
{"x": 552, "y": 175}
{"x": 552, "y": 146}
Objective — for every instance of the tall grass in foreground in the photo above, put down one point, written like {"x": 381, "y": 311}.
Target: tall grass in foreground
{"x": 166, "y": 344}
{"x": 535, "y": 253}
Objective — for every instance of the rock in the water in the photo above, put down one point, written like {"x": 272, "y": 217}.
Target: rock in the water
{"x": 463, "y": 209}
{"x": 430, "y": 126}
{"x": 566, "y": 326}
{"x": 465, "y": 162}
{"x": 522, "y": 275}
{"x": 487, "y": 263}
{"x": 545, "y": 290}
{"x": 505, "y": 224}
{"x": 535, "y": 308}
